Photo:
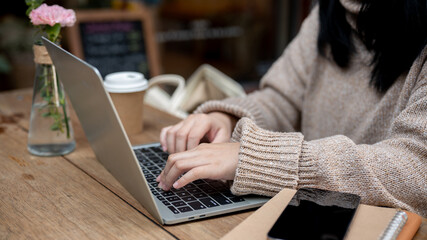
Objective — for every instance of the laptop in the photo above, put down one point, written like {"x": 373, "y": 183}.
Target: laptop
{"x": 136, "y": 167}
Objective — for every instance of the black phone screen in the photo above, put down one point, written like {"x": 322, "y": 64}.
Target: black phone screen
{"x": 316, "y": 214}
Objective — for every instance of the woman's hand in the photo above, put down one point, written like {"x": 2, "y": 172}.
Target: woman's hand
{"x": 214, "y": 161}
{"x": 215, "y": 127}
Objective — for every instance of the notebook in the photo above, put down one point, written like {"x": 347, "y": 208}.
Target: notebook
{"x": 136, "y": 167}
{"x": 369, "y": 222}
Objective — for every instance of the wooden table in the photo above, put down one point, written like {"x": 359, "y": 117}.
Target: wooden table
{"x": 73, "y": 196}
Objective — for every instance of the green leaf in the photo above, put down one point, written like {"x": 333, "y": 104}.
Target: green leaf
{"x": 29, "y": 2}
{"x": 32, "y": 4}
{"x": 53, "y": 31}
{"x": 29, "y": 11}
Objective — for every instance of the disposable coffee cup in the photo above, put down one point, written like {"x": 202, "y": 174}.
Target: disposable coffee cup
{"x": 127, "y": 90}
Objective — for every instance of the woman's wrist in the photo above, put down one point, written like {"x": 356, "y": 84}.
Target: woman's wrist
{"x": 228, "y": 119}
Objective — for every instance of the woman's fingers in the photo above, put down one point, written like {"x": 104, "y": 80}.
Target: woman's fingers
{"x": 196, "y": 134}
{"x": 163, "y": 135}
{"x": 170, "y": 137}
{"x": 200, "y": 172}
{"x": 177, "y": 157}
{"x": 191, "y": 132}
{"x": 214, "y": 161}
{"x": 185, "y": 135}
{"x": 214, "y": 127}
{"x": 176, "y": 165}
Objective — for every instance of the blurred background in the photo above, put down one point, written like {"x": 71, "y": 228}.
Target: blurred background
{"x": 241, "y": 38}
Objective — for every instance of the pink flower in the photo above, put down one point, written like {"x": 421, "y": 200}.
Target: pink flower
{"x": 51, "y": 15}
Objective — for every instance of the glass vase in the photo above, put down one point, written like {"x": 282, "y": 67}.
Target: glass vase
{"x": 50, "y": 132}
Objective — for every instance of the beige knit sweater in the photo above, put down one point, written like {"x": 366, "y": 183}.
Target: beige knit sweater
{"x": 313, "y": 124}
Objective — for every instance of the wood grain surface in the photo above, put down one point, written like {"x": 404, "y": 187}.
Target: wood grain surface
{"x": 74, "y": 196}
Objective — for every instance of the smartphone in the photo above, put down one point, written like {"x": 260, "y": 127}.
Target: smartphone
{"x": 316, "y": 214}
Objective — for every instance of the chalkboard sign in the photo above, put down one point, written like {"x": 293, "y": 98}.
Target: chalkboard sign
{"x": 115, "y": 40}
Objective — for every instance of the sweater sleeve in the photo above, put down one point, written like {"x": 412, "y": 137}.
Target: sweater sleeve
{"x": 277, "y": 105}
{"x": 392, "y": 172}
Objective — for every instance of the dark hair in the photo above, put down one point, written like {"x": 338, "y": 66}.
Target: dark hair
{"x": 394, "y": 30}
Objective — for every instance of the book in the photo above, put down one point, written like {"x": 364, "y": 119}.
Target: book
{"x": 370, "y": 222}
{"x": 411, "y": 226}
{"x": 395, "y": 226}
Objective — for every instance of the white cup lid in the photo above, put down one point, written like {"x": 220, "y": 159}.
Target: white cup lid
{"x": 125, "y": 82}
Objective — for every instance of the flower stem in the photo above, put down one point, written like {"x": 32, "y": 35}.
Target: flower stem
{"x": 67, "y": 127}
{"x": 62, "y": 102}
{"x": 53, "y": 94}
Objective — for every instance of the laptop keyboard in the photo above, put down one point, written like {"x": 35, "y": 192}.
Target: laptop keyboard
{"x": 200, "y": 194}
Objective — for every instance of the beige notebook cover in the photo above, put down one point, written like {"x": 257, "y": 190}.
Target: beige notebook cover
{"x": 369, "y": 221}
